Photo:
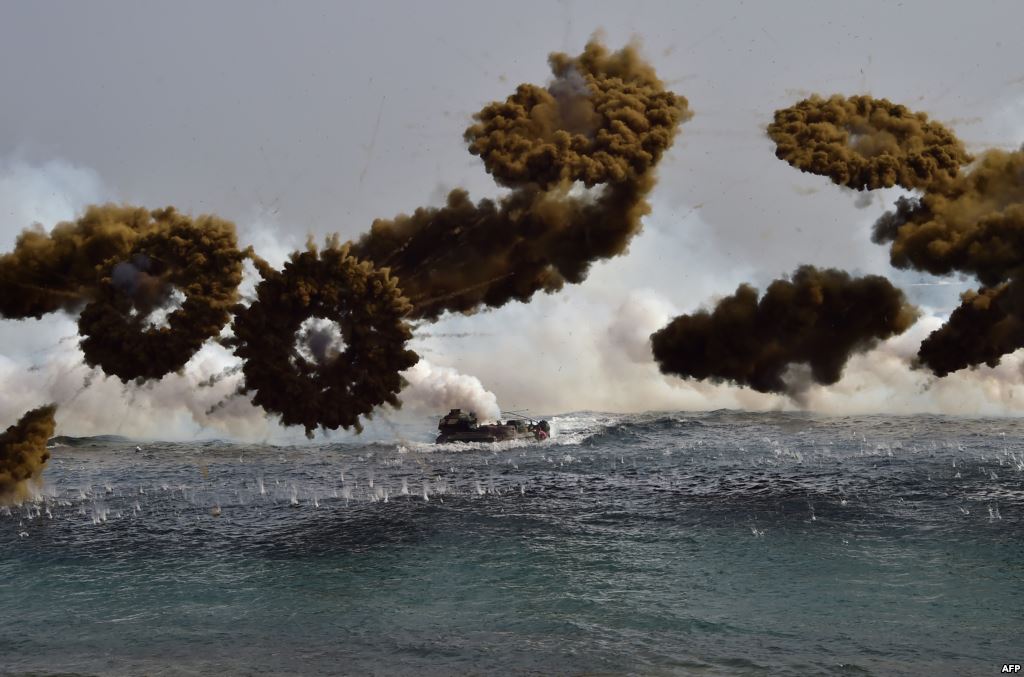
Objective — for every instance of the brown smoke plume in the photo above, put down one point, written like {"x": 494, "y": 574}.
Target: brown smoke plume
{"x": 322, "y": 387}
{"x": 605, "y": 121}
{"x": 819, "y": 318}
{"x": 964, "y": 222}
{"x": 23, "y": 452}
{"x": 117, "y": 264}
{"x": 987, "y": 325}
{"x": 975, "y": 226}
{"x": 61, "y": 270}
{"x": 866, "y": 143}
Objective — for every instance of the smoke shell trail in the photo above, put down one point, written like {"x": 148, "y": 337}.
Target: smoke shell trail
{"x": 23, "y": 453}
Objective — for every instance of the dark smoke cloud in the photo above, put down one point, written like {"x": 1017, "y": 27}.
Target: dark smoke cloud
{"x": 606, "y": 118}
{"x": 23, "y": 452}
{"x": 369, "y": 309}
{"x": 61, "y": 270}
{"x": 605, "y": 121}
{"x": 818, "y": 318}
{"x": 200, "y": 259}
{"x": 866, "y": 143}
{"x": 964, "y": 222}
{"x": 987, "y": 325}
{"x": 975, "y": 226}
{"x": 117, "y": 264}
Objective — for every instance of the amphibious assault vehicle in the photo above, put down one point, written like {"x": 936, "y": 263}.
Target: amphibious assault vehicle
{"x": 462, "y": 426}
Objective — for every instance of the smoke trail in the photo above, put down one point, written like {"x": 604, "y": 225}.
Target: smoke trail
{"x": 605, "y": 121}
{"x": 118, "y": 265}
{"x": 866, "y": 143}
{"x": 368, "y": 308}
{"x": 818, "y": 318}
{"x": 23, "y": 452}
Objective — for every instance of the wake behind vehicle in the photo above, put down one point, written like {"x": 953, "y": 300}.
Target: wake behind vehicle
{"x": 462, "y": 426}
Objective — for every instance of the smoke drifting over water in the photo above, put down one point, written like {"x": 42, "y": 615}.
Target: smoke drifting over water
{"x": 154, "y": 286}
{"x": 23, "y": 452}
{"x": 818, "y": 318}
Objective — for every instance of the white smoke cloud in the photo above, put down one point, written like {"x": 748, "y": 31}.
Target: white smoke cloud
{"x": 884, "y": 381}
{"x": 436, "y": 389}
{"x": 640, "y": 315}
{"x": 46, "y": 194}
{"x": 198, "y": 401}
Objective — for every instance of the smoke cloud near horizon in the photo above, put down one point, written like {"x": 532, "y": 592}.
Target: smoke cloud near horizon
{"x": 817, "y": 318}
{"x": 23, "y": 453}
{"x": 604, "y": 122}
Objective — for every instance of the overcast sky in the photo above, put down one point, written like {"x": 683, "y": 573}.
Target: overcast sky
{"x": 310, "y": 118}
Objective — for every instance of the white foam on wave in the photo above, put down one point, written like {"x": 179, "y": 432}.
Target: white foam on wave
{"x": 574, "y": 429}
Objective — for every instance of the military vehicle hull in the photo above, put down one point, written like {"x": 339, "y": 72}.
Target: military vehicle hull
{"x": 459, "y": 426}
{"x": 489, "y": 433}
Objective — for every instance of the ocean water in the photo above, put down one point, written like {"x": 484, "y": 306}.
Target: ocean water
{"x": 659, "y": 544}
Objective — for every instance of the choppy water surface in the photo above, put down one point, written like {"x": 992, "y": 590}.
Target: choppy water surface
{"x": 717, "y": 543}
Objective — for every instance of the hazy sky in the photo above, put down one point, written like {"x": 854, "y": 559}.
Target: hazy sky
{"x": 308, "y": 117}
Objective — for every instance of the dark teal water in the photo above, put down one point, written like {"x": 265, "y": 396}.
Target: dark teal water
{"x": 704, "y": 544}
